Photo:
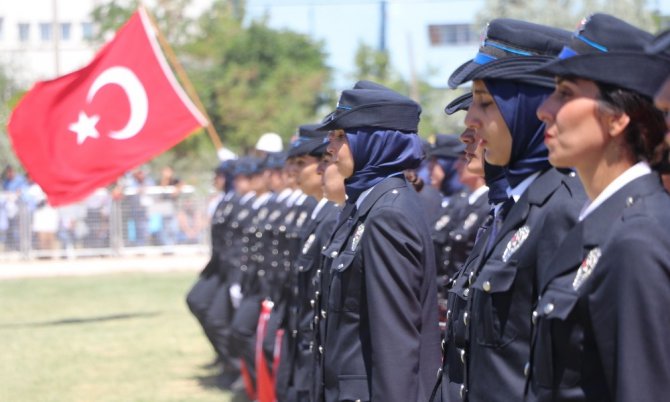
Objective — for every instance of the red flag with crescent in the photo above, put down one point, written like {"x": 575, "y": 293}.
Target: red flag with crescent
{"x": 83, "y": 130}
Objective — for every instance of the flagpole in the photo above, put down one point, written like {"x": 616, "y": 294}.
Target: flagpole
{"x": 183, "y": 77}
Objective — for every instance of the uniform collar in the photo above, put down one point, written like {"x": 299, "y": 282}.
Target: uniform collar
{"x": 632, "y": 173}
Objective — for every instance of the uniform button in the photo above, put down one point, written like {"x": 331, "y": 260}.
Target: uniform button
{"x": 340, "y": 266}
{"x": 316, "y": 319}
{"x": 259, "y": 235}
{"x": 323, "y": 248}
{"x": 630, "y": 201}
{"x": 466, "y": 319}
{"x": 462, "y": 353}
{"x": 321, "y": 349}
{"x": 395, "y": 191}
{"x": 261, "y": 272}
{"x": 534, "y": 317}
{"x": 448, "y": 314}
{"x": 466, "y": 292}
{"x": 487, "y": 286}
{"x": 294, "y": 333}
{"x": 323, "y": 314}
{"x": 549, "y": 308}
{"x": 459, "y": 237}
{"x": 300, "y": 268}
{"x": 333, "y": 254}
{"x": 312, "y": 303}
{"x": 526, "y": 369}
{"x": 316, "y": 294}
{"x": 318, "y": 272}
{"x": 462, "y": 391}
{"x": 572, "y": 174}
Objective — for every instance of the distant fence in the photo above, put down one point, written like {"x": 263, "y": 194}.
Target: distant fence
{"x": 155, "y": 219}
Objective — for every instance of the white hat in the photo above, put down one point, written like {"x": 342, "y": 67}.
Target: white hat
{"x": 270, "y": 142}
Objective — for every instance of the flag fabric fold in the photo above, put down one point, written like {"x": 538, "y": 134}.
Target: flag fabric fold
{"x": 83, "y": 130}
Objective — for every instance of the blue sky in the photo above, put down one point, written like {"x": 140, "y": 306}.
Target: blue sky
{"x": 343, "y": 24}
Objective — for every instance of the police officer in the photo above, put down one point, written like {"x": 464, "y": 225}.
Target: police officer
{"x": 381, "y": 339}
{"x": 601, "y": 320}
{"x": 489, "y": 330}
{"x": 294, "y": 378}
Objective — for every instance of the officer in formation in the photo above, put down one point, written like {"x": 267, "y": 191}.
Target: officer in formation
{"x": 553, "y": 265}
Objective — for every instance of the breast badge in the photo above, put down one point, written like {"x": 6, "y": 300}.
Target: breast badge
{"x": 357, "y": 236}
{"x": 515, "y": 242}
{"x": 586, "y": 268}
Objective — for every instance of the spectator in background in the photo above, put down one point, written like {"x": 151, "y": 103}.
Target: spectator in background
{"x": 11, "y": 180}
{"x": 191, "y": 223}
{"x": 136, "y": 202}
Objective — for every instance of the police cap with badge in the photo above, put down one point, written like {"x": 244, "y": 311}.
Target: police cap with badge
{"x": 511, "y": 50}
{"x": 309, "y": 142}
{"x": 373, "y": 106}
{"x": 608, "y": 50}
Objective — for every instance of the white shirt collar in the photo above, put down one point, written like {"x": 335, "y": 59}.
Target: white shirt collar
{"x": 283, "y": 194}
{"x": 517, "y": 191}
{"x": 318, "y": 207}
{"x": 246, "y": 197}
{"x": 632, "y": 173}
{"x": 260, "y": 200}
{"x": 474, "y": 196}
{"x": 293, "y": 197}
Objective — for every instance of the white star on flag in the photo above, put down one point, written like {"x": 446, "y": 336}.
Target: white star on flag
{"x": 85, "y": 127}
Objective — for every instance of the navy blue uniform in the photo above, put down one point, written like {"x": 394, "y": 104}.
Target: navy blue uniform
{"x": 381, "y": 332}
{"x": 602, "y": 320}
{"x": 493, "y": 298}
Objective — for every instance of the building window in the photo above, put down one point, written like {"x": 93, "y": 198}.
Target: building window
{"x": 24, "y": 32}
{"x": 45, "y": 31}
{"x": 65, "y": 29}
{"x": 452, "y": 34}
{"x": 87, "y": 30}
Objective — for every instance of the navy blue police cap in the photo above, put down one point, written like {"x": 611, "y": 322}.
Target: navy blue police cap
{"x": 225, "y": 168}
{"x": 660, "y": 45}
{"x": 446, "y": 146}
{"x": 608, "y": 50}
{"x": 308, "y": 140}
{"x": 463, "y": 102}
{"x": 247, "y": 166}
{"x": 660, "y": 48}
{"x": 365, "y": 84}
{"x": 275, "y": 160}
{"x": 373, "y": 108}
{"x": 512, "y": 50}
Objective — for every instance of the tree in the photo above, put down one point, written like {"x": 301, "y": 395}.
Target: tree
{"x": 255, "y": 79}
{"x": 9, "y": 96}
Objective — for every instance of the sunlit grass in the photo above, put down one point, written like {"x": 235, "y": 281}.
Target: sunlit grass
{"x": 126, "y": 337}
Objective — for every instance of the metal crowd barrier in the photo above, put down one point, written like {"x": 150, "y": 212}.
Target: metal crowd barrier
{"x": 152, "y": 220}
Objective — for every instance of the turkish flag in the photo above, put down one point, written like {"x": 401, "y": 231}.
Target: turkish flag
{"x": 83, "y": 130}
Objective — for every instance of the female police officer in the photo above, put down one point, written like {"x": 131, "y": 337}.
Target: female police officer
{"x": 602, "y": 318}
{"x": 381, "y": 340}
{"x": 490, "y": 327}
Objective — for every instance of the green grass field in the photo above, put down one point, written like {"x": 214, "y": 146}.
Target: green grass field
{"x": 125, "y": 337}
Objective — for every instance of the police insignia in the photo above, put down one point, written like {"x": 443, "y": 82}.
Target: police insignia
{"x": 357, "y": 236}
{"x": 515, "y": 242}
{"x": 586, "y": 268}
{"x": 227, "y": 209}
{"x": 301, "y": 219}
{"x": 470, "y": 220}
{"x": 308, "y": 243}
{"x": 274, "y": 215}
{"x": 289, "y": 217}
{"x": 243, "y": 214}
{"x": 442, "y": 222}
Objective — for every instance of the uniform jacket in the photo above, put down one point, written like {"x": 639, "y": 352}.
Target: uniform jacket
{"x": 602, "y": 320}
{"x": 381, "y": 329}
{"x": 492, "y": 331}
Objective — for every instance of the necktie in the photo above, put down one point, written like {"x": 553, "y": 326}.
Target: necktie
{"x": 498, "y": 222}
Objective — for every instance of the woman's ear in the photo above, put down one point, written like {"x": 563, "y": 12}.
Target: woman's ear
{"x": 617, "y": 123}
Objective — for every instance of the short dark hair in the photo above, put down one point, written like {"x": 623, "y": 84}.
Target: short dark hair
{"x": 645, "y": 133}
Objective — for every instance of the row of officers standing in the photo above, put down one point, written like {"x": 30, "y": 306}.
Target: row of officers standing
{"x": 337, "y": 274}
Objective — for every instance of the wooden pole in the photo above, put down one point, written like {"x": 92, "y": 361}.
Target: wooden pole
{"x": 183, "y": 77}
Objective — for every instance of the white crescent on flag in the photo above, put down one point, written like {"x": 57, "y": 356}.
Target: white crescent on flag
{"x": 137, "y": 97}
